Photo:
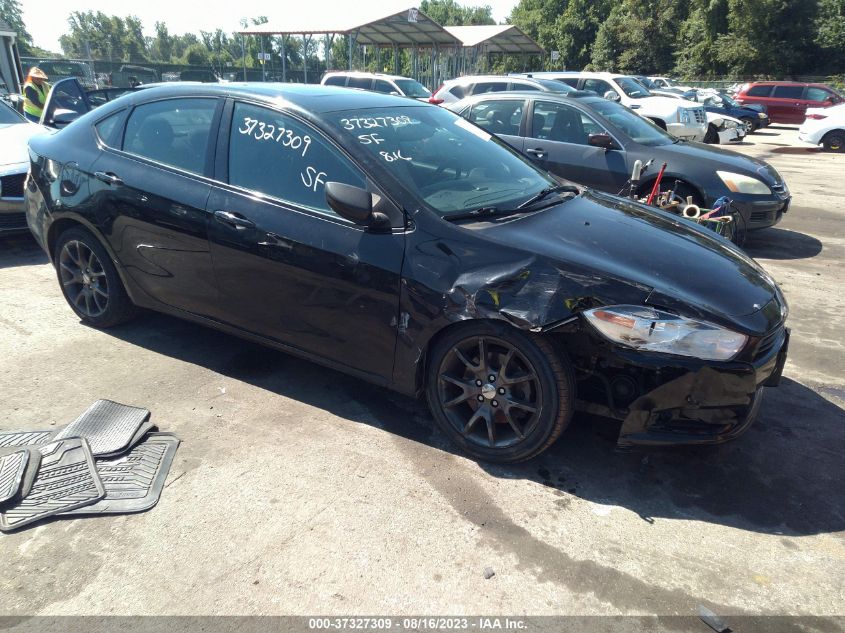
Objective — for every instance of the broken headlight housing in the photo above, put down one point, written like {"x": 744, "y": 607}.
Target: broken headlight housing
{"x": 651, "y": 330}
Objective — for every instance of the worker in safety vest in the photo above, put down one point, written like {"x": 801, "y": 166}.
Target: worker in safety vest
{"x": 35, "y": 92}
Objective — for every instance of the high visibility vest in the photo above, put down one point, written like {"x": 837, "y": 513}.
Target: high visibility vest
{"x": 28, "y": 106}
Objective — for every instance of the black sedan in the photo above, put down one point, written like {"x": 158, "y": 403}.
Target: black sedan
{"x": 595, "y": 142}
{"x": 400, "y": 243}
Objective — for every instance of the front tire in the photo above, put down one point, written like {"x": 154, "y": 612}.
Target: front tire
{"x": 89, "y": 280}
{"x": 500, "y": 394}
{"x": 834, "y": 141}
{"x": 712, "y": 136}
{"x": 750, "y": 124}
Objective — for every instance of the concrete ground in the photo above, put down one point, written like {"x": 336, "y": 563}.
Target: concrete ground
{"x": 298, "y": 490}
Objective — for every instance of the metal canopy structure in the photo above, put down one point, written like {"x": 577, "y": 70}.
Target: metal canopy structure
{"x": 409, "y": 29}
{"x": 405, "y": 29}
{"x": 496, "y": 38}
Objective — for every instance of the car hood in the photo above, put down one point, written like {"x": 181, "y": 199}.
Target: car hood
{"x": 14, "y": 139}
{"x": 718, "y": 159}
{"x": 612, "y": 242}
{"x": 658, "y": 103}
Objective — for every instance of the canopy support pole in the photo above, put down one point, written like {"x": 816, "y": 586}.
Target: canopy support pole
{"x": 284, "y": 60}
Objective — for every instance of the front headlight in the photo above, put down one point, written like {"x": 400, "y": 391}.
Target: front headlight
{"x": 650, "y": 330}
{"x": 729, "y": 125}
{"x": 743, "y": 184}
{"x": 761, "y": 115}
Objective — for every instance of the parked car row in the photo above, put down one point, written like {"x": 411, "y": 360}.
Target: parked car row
{"x": 404, "y": 244}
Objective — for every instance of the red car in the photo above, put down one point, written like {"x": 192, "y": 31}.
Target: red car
{"x": 787, "y": 101}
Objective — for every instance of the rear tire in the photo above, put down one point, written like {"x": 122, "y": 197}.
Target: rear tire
{"x": 89, "y": 280}
{"x": 834, "y": 141}
{"x": 501, "y": 394}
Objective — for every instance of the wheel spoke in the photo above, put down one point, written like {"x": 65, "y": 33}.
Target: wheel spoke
{"x": 516, "y": 404}
{"x": 460, "y": 355}
{"x": 92, "y": 259}
{"x": 476, "y": 416}
{"x": 79, "y": 295}
{"x": 503, "y": 370}
{"x": 515, "y": 380}
{"x": 457, "y": 400}
{"x": 482, "y": 354}
{"x": 514, "y": 425}
{"x": 99, "y": 291}
{"x": 455, "y": 381}
{"x": 490, "y": 433}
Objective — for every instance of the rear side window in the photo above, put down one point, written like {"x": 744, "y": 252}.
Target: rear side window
{"x": 490, "y": 86}
{"x": 174, "y": 132}
{"x": 360, "y": 82}
{"x": 107, "y": 127}
{"x": 817, "y": 94}
{"x": 759, "y": 91}
{"x": 499, "y": 117}
{"x": 788, "y": 92}
{"x": 277, "y": 155}
{"x": 573, "y": 82}
{"x": 382, "y": 86}
{"x": 336, "y": 80}
{"x": 516, "y": 85}
{"x": 459, "y": 91}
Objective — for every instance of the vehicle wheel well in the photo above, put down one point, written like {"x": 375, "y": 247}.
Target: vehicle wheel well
{"x": 658, "y": 122}
{"x": 695, "y": 192}
{"x": 56, "y": 229}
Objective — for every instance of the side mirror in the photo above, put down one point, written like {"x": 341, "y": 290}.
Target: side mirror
{"x": 612, "y": 95}
{"x": 352, "y": 203}
{"x": 602, "y": 139}
{"x": 64, "y": 118}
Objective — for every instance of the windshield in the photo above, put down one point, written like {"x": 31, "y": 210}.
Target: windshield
{"x": 632, "y": 87}
{"x": 552, "y": 85}
{"x": 640, "y": 129}
{"x": 411, "y": 88}
{"x": 442, "y": 159}
{"x": 8, "y": 116}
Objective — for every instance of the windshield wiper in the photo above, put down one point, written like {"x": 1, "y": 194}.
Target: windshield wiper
{"x": 480, "y": 212}
{"x": 547, "y": 192}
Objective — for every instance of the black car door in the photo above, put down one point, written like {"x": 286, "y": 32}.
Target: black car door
{"x": 558, "y": 141}
{"x": 151, "y": 189}
{"x": 289, "y": 268}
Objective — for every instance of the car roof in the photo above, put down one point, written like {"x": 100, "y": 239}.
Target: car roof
{"x": 476, "y": 78}
{"x": 582, "y": 96}
{"x": 786, "y": 83}
{"x": 360, "y": 73}
{"x": 312, "y": 97}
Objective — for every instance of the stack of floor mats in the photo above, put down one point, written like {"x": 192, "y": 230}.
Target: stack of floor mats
{"x": 110, "y": 460}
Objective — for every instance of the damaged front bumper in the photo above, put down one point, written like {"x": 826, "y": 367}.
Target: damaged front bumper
{"x": 662, "y": 399}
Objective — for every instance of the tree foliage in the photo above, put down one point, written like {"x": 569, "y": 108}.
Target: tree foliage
{"x": 691, "y": 37}
{"x": 10, "y": 12}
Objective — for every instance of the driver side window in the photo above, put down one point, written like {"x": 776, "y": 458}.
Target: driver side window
{"x": 562, "y": 123}
{"x": 277, "y": 155}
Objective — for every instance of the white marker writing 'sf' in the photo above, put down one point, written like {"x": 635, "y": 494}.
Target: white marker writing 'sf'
{"x": 314, "y": 179}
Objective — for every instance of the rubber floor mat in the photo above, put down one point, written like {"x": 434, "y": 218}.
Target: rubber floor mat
{"x": 66, "y": 480}
{"x": 30, "y": 457}
{"x": 13, "y": 467}
{"x": 25, "y": 438}
{"x": 111, "y": 428}
{"x": 134, "y": 481}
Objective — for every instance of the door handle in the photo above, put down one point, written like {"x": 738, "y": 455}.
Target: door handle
{"x": 233, "y": 219}
{"x": 537, "y": 152}
{"x": 108, "y": 178}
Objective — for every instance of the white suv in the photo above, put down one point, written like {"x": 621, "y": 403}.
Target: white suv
{"x": 377, "y": 82}
{"x": 681, "y": 118}
{"x": 454, "y": 90}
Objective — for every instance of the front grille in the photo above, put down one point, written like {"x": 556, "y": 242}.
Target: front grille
{"x": 9, "y": 221}
{"x": 12, "y": 186}
{"x": 760, "y": 216}
{"x": 700, "y": 115}
{"x": 769, "y": 342}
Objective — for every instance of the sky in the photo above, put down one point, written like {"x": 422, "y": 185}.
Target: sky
{"x": 47, "y": 23}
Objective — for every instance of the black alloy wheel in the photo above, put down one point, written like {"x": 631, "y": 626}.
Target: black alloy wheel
{"x": 500, "y": 394}
{"x": 89, "y": 280}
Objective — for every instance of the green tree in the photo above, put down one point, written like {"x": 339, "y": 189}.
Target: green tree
{"x": 830, "y": 33}
{"x": 10, "y": 12}
{"x": 450, "y": 13}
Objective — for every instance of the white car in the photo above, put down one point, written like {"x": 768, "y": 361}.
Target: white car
{"x": 377, "y": 82}
{"x": 665, "y": 82}
{"x": 453, "y": 90}
{"x": 681, "y": 118}
{"x": 721, "y": 128}
{"x": 825, "y": 126}
{"x": 15, "y": 132}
